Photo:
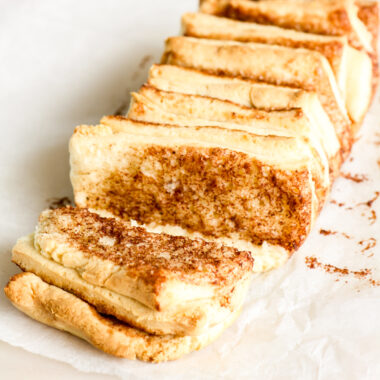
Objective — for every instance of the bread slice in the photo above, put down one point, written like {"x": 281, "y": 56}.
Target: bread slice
{"x": 57, "y": 308}
{"x": 249, "y": 93}
{"x": 157, "y": 106}
{"x": 352, "y": 68}
{"x": 326, "y": 17}
{"x": 298, "y": 68}
{"x": 240, "y": 188}
{"x": 158, "y": 270}
{"x": 112, "y": 289}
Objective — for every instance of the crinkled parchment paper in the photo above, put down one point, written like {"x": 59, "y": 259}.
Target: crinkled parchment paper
{"x": 65, "y": 65}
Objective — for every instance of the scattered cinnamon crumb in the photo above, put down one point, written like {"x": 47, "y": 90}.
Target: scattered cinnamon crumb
{"x": 371, "y": 201}
{"x": 354, "y": 177}
{"x": 377, "y": 142}
{"x": 378, "y": 162}
{"x": 334, "y": 202}
{"x": 351, "y": 159}
{"x": 367, "y": 244}
{"x": 372, "y": 218}
{"x": 59, "y": 202}
{"x": 328, "y": 232}
{"x": 313, "y": 263}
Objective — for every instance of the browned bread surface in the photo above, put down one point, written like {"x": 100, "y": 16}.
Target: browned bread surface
{"x": 64, "y": 311}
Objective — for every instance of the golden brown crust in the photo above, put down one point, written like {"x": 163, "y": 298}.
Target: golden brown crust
{"x": 64, "y": 311}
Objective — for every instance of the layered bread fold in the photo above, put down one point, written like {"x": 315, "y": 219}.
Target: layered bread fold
{"x": 240, "y": 188}
{"x": 326, "y": 17}
{"x": 352, "y": 68}
{"x": 155, "y": 282}
{"x": 248, "y": 93}
{"x": 297, "y": 68}
{"x": 158, "y": 106}
{"x": 62, "y": 310}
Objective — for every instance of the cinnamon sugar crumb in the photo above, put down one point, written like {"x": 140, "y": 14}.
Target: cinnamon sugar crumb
{"x": 370, "y": 202}
{"x": 329, "y": 232}
{"x": 354, "y": 177}
{"x": 313, "y": 263}
{"x": 372, "y": 218}
{"x": 367, "y": 244}
{"x": 152, "y": 257}
{"x": 339, "y": 204}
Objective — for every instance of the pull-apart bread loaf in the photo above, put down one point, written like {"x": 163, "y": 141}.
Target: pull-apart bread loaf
{"x": 158, "y": 106}
{"x": 218, "y": 170}
{"x": 352, "y": 68}
{"x": 158, "y": 283}
{"x": 64, "y": 311}
{"x": 250, "y": 191}
{"x": 277, "y": 65}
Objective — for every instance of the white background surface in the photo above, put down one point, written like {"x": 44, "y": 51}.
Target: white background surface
{"x": 63, "y": 63}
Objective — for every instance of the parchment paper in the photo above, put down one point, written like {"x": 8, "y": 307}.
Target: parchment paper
{"x": 65, "y": 63}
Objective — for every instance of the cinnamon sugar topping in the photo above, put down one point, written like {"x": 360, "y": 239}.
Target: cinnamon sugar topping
{"x": 328, "y": 232}
{"x": 371, "y": 201}
{"x": 354, "y": 177}
{"x": 149, "y": 256}
{"x": 367, "y": 244}
{"x": 313, "y": 263}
